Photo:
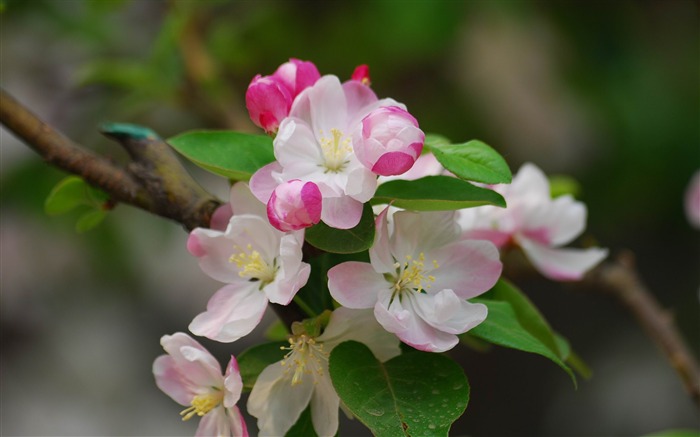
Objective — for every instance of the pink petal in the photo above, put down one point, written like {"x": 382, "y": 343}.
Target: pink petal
{"x": 243, "y": 201}
{"x": 193, "y": 361}
{"x": 171, "y": 382}
{"x": 355, "y": 284}
{"x": 232, "y": 312}
{"x": 292, "y": 273}
{"x": 232, "y": 383}
{"x": 237, "y": 423}
{"x": 562, "y": 264}
{"x": 469, "y": 267}
{"x": 402, "y": 320}
{"x": 262, "y": 183}
{"x": 342, "y": 212}
{"x": 380, "y": 252}
{"x": 446, "y": 312}
{"x": 393, "y": 163}
{"x": 214, "y": 423}
{"x": 219, "y": 220}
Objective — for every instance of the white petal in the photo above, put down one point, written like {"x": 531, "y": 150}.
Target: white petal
{"x": 448, "y": 313}
{"x": 401, "y": 319}
{"x": 244, "y": 202}
{"x": 530, "y": 185}
{"x": 292, "y": 273}
{"x": 359, "y": 325}
{"x": 420, "y": 232}
{"x": 214, "y": 423}
{"x": 380, "y": 252}
{"x": 355, "y": 284}
{"x": 262, "y": 183}
{"x": 233, "y": 311}
{"x": 342, "y": 212}
{"x": 192, "y": 360}
{"x": 215, "y": 249}
{"x": 469, "y": 267}
{"x": 275, "y": 402}
{"x": 562, "y": 264}
{"x": 563, "y": 219}
{"x": 324, "y": 406}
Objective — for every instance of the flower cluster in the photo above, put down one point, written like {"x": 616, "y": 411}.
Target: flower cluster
{"x": 334, "y": 143}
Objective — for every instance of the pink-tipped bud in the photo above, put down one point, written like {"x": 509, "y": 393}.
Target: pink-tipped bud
{"x": 361, "y": 74}
{"x": 297, "y": 75}
{"x": 220, "y": 218}
{"x": 269, "y": 98}
{"x": 268, "y": 101}
{"x": 194, "y": 246}
{"x": 388, "y": 141}
{"x": 294, "y": 205}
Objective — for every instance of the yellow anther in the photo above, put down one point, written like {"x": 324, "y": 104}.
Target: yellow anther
{"x": 252, "y": 265}
{"x": 201, "y": 405}
{"x": 412, "y": 275}
{"x": 305, "y": 356}
{"x": 335, "y": 150}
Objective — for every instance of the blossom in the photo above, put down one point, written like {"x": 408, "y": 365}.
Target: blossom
{"x": 419, "y": 277}
{"x": 269, "y": 98}
{"x": 361, "y": 74}
{"x": 192, "y": 377}
{"x": 315, "y": 144}
{"x": 258, "y": 263}
{"x": 692, "y": 200}
{"x": 294, "y": 205}
{"x": 537, "y": 223}
{"x": 284, "y": 389}
{"x": 389, "y": 141}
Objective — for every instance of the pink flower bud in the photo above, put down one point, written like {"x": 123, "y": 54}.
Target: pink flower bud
{"x": 388, "y": 141}
{"x": 269, "y": 98}
{"x": 294, "y": 205}
{"x": 268, "y": 101}
{"x": 297, "y": 75}
{"x": 361, "y": 74}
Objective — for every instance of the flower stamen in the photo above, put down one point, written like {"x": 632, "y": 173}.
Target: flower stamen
{"x": 305, "y": 356}
{"x": 201, "y": 405}
{"x": 252, "y": 265}
{"x": 335, "y": 150}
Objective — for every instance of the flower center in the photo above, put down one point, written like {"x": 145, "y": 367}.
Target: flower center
{"x": 305, "y": 356}
{"x": 252, "y": 265}
{"x": 412, "y": 275}
{"x": 202, "y": 404}
{"x": 335, "y": 150}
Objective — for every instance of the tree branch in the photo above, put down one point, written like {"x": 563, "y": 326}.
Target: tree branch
{"x": 154, "y": 181}
{"x": 620, "y": 279}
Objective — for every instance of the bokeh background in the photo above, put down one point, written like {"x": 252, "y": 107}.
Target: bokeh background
{"x": 604, "y": 91}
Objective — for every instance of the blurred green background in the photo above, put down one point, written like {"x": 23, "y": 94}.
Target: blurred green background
{"x": 605, "y": 91}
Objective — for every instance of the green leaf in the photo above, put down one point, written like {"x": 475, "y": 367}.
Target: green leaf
{"x": 234, "y": 155}
{"x": 90, "y": 220}
{"x": 560, "y": 185}
{"x": 571, "y": 358}
{"x": 435, "y": 193}
{"x": 473, "y": 160}
{"x": 352, "y": 240}
{"x": 413, "y": 394}
{"x": 253, "y": 361}
{"x": 527, "y": 313}
{"x": 67, "y": 195}
{"x": 304, "y": 426}
{"x": 503, "y": 328}
{"x": 277, "y": 331}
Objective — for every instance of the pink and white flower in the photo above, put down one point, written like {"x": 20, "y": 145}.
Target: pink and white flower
{"x": 258, "y": 263}
{"x": 537, "y": 223}
{"x": 284, "y": 389}
{"x": 419, "y": 279}
{"x": 269, "y": 98}
{"x": 294, "y": 205}
{"x": 692, "y": 200}
{"x": 315, "y": 144}
{"x": 389, "y": 141}
{"x": 192, "y": 377}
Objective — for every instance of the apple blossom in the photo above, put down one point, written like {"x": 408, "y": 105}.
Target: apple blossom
{"x": 192, "y": 377}
{"x": 418, "y": 279}
{"x": 269, "y": 98}
{"x": 388, "y": 142}
{"x": 692, "y": 200}
{"x": 361, "y": 74}
{"x": 294, "y": 205}
{"x": 537, "y": 223}
{"x": 314, "y": 144}
{"x": 258, "y": 263}
{"x": 284, "y": 389}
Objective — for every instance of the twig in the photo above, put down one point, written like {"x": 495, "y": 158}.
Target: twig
{"x": 620, "y": 279}
{"x": 154, "y": 181}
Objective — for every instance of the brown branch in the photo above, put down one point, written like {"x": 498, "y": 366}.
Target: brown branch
{"x": 620, "y": 279}
{"x": 154, "y": 181}
{"x": 58, "y": 150}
